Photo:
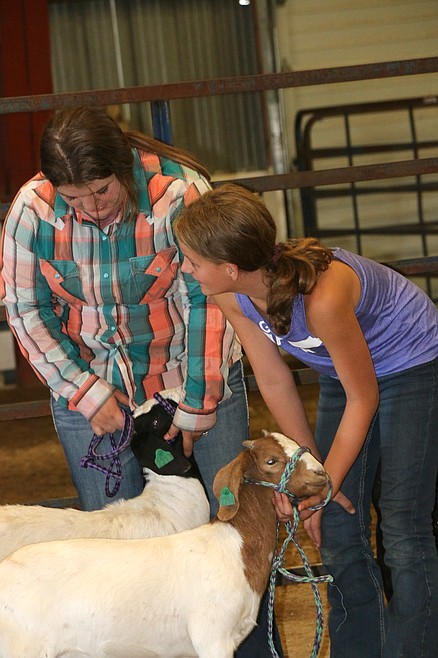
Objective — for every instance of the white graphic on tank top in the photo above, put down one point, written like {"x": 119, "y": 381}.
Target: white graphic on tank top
{"x": 306, "y": 345}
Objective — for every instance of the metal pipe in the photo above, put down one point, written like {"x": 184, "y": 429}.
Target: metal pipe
{"x": 219, "y": 86}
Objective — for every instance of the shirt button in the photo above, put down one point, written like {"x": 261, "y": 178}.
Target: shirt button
{"x": 104, "y": 238}
{"x": 56, "y": 276}
{"x": 158, "y": 269}
{"x": 113, "y": 328}
{"x": 106, "y": 275}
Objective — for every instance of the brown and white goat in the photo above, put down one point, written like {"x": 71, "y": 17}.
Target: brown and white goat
{"x": 196, "y": 593}
{"x": 173, "y": 499}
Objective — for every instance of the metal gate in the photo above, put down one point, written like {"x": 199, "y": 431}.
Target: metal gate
{"x": 386, "y": 219}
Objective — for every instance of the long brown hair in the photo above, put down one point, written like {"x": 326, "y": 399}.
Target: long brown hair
{"x": 84, "y": 144}
{"x": 232, "y": 225}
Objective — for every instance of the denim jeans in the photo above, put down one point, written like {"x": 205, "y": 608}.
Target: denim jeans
{"x": 404, "y": 438}
{"x": 215, "y": 449}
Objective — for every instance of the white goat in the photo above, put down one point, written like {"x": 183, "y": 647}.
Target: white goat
{"x": 196, "y": 593}
{"x": 173, "y": 499}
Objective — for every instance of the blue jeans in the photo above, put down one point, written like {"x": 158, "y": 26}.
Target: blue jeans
{"x": 404, "y": 438}
{"x": 215, "y": 449}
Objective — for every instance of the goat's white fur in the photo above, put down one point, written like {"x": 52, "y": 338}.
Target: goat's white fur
{"x": 168, "y": 504}
{"x": 185, "y": 595}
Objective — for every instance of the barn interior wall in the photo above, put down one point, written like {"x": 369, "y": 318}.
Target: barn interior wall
{"x": 313, "y": 35}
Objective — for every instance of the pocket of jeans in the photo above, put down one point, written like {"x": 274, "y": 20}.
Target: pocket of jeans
{"x": 154, "y": 275}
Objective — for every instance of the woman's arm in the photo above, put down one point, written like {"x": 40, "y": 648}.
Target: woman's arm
{"x": 56, "y": 359}
{"x": 209, "y": 342}
{"x": 274, "y": 377}
{"x": 330, "y": 311}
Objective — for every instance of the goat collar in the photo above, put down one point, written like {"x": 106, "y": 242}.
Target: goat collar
{"x": 281, "y": 486}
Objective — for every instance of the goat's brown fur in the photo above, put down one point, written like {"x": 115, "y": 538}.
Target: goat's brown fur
{"x": 258, "y": 525}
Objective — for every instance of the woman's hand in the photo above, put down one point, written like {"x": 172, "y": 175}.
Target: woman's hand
{"x": 283, "y": 507}
{"x": 311, "y": 518}
{"x": 110, "y": 417}
{"x": 189, "y": 438}
{"x": 312, "y": 524}
{"x": 344, "y": 502}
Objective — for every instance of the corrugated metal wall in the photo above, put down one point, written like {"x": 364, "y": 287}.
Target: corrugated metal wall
{"x": 112, "y": 43}
{"x": 317, "y": 34}
{"x": 314, "y": 34}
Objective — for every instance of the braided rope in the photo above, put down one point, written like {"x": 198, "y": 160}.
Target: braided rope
{"x": 114, "y": 470}
{"x": 277, "y": 567}
{"x": 165, "y": 403}
{"x": 279, "y": 556}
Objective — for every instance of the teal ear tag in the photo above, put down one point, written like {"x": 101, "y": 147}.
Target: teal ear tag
{"x": 227, "y": 498}
{"x": 163, "y": 457}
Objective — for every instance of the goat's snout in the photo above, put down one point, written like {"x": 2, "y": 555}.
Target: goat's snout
{"x": 309, "y": 478}
{"x": 319, "y": 475}
{"x": 318, "y": 480}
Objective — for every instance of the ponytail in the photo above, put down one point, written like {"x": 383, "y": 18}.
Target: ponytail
{"x": 294, "y": 269}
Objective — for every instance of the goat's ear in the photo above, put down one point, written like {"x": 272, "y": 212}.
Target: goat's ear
{"x": 226, "y": 487}
{"x": 250, "y": 443}
{"x": 253, "y": 443}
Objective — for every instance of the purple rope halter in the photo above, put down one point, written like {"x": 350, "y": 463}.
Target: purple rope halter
{"x": 114, "y": 470}
{"x": 165, "y": 403}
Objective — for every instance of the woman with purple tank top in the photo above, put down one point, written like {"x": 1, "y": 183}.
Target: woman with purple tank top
{"x": 373, "y": 337}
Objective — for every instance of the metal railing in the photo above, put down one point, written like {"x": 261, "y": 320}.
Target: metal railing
{"x": 159, "y": 95}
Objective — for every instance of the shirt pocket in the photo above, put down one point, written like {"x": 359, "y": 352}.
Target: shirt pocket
{"x": 154, "y": 275}
{"x": 63, "y": 278}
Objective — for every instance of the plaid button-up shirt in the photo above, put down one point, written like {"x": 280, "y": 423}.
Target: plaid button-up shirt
{"x": 96, "y": 310}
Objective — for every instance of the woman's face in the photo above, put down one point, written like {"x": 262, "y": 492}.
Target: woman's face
{"x": 99, "y": 199}
{"x": 214, "y": 278}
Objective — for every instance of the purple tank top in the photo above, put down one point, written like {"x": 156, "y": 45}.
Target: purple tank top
{"x": 399, "y": 321}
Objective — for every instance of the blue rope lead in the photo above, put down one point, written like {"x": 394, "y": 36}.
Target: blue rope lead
{"x": 279, "y": 557}
{"x": 114, "y": 470}
{"x": 277, "y": 567}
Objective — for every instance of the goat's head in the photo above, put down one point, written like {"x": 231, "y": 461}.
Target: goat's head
{"x": 265, "y": 459}
{"x": 151, "y": 422}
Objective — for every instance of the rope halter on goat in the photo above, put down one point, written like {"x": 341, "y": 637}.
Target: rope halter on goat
{"x": 279, "y": 557}
{"x": 114, "y": 470}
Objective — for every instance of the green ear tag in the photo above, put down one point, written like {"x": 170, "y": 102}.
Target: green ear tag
{"x": 163, "y": 457}
{"x": 227, "y": 498}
